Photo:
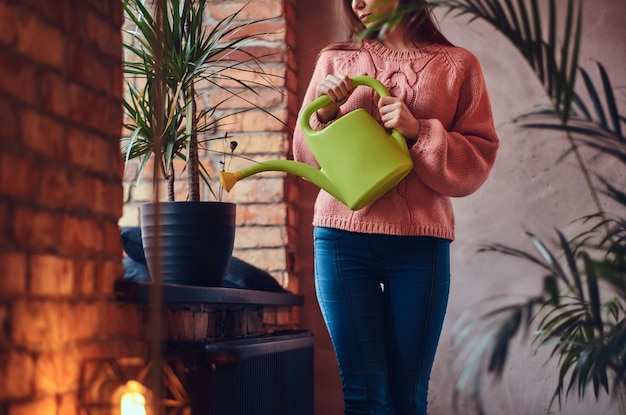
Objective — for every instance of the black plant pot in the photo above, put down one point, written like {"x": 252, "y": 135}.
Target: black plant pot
{"x": 196, "y": 241}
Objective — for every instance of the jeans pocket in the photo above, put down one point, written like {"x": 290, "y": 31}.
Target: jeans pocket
{"x": 327, "y": 234}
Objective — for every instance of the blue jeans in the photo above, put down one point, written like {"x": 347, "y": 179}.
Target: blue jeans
{"x": 383, "y": 298}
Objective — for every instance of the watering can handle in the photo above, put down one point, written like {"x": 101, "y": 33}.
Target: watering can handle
{"x": 324, "y": 100}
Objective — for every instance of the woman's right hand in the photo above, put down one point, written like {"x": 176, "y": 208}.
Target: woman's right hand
{"x": 338, "y": 87}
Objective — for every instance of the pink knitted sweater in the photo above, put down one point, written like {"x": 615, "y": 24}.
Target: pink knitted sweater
{"x": 456, "y": 147}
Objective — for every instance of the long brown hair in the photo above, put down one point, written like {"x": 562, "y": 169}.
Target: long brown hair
{"x": 419, "y": 22}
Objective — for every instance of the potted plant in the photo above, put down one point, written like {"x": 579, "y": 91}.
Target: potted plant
{"x": 169, "y": 53}
{"x": 580, "y": 309}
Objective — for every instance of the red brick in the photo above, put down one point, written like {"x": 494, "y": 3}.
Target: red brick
{"x": 107, "y": 273}
{"x": 269, "y": 9}
{"x": 56, "y": 371}
{"x": 35, "y": 323}
{"x": 8, "y": 23}
{"x": 261, "y": 54}
{"x": 243, "y": 99}
{"x": 80, "y": 235}
{"x": 10, "y": 133}
{"x": 254, "y": 322}
{"x": 108, "y": 119}
{"x": 260, "y": 190}
{"x": 104, "y": 35}
{"x": 259, "y": 237}
{"x": 267, "y": 31}
{"x": 97, "y": 350}
{"x": 292, "y": 284}
{"x": 55, "y": 187}
{"x": 117, "y": 81}
{"x": 68, "y": 404}
{"x": 16, "y": 375}
{"x": 21, "y": 84}
{"x": 83, "y": 320}
{"x": 53, "y": 13}
{"x": 43, "y": 135}
{"x": 274, "y": 214}
{"x": 131, "y": 347}
{"x": 116, "y": 163}
{"x": 81, "y": 101}
{"x": 291, "y": 39}
{"x": 214, "y": 328}
{"x": 13, "y": 279}
{"x": 5, "y": 341}
{"x": 80, "y": 62}
{"x": 284, "y": 315}
{"x": 17, "y": 176}
{"x": 80, "y": 148}
{"x": 112, "y": 197}
{"x": 234, "y": 324}
{"x": 271, "y": 74}
{"x": 99, "y": 120}
{"x": 257, "y": 120}
{"x": 200, "y": 325}
{"x": 7, "y": 238}
{"x": 270, "y": 315}
{"x": 51, "y": 275}
{"x": 53, "y": 93}
{"x": 120, "y": 319}
{"x": 180, "y": 325}
{"x": 253, "y": 143}
{"x": 143, "y": 191}
{"x": 32, "y": 31}
{"x": 112, "y": 239}
{"x": 36, "y": 406}
{"x": 37, "y": 230}
{"x": 130, "y": 217}
{"x": 102, "y": 159}
{"x": 84, "y": 277}
{"x": 269, "y": 259}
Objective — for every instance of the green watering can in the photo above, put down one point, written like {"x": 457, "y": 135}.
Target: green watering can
{"x": 359, "y": 160}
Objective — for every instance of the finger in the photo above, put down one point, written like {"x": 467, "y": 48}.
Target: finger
{"x": 346, "y": 82}
{"x": 343, "y": 86}
{"x": 328, "y": 87}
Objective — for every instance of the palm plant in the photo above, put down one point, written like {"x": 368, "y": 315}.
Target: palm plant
{"x": 173, "y": 57}
{"x": 176, "y": 43}
{"x": 587, "y": 332}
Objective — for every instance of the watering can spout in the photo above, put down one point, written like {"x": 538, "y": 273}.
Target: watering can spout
{"x": 229, "y": 179}
{"x": 317, "y": 177}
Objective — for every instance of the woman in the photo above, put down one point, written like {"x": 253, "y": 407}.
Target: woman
{"x": 383, "y": 272}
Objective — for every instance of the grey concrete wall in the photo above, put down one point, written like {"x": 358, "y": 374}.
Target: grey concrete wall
{"x": 527, "y": 191}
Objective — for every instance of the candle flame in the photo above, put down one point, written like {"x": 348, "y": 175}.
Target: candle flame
{"x": 131, "y": 399}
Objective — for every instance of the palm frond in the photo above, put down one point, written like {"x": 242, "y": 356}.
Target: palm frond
{"x": 193, "y": 51}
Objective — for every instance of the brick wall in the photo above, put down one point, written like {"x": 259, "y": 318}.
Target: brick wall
{"x": 264, "y": 212}
{"x": 61, "y": 197}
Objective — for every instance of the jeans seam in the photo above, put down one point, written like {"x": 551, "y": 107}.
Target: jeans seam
{"x": 428, "y": 324}
{"x": 354, "y": 326}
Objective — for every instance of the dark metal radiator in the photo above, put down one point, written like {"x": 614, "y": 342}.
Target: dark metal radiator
{"x": 265, "y": 375}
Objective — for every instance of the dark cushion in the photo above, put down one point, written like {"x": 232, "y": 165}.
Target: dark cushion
{"x": 241, "y": 274}
{"x": 131, "y": 240}
{"x": 135, "y": 271}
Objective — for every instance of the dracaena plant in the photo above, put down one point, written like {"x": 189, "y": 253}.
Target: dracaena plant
{"x": 580, "y": 309}
{"x": 170, "y": 51}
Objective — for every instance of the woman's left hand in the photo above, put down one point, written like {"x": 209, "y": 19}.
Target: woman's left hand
{"x": 395, "y": 114}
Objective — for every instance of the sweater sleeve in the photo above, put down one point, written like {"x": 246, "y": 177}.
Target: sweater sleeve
{"x": 457, "y": 162}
